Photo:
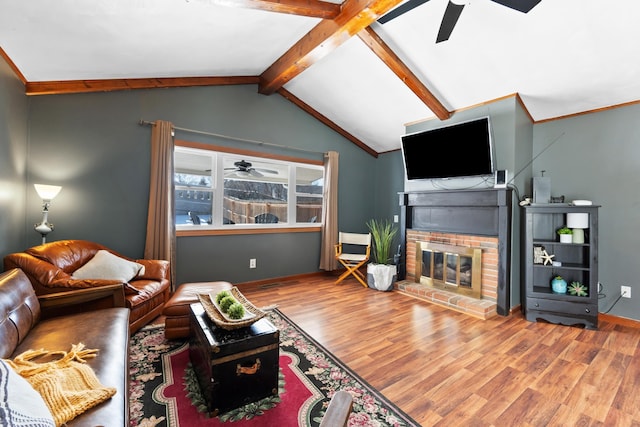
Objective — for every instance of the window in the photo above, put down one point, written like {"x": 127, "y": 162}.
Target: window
{"x": 309, "y": 190}
{"x": 220, "y": 190}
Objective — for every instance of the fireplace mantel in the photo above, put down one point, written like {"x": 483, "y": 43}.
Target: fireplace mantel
{"x": 483, "y": 212}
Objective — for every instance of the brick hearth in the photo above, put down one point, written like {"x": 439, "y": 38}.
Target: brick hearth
{"x": 486, "y": 306}
{"x": 481, "y": 308}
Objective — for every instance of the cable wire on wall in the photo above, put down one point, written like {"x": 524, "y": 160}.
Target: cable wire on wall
{"x": 601, "y": 294}
{"x": 233, "y": 138}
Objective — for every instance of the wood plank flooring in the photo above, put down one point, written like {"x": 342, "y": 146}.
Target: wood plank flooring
{"x": 445, "y": 368}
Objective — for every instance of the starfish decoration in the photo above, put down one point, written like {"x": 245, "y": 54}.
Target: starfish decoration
{"x": 547, "y": 258}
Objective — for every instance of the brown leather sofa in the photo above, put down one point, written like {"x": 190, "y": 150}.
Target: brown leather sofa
{"x": 106, "y": 330}
{"x": 50, "y": 266}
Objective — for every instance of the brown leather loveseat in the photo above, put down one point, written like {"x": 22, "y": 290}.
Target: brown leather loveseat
{"x": 51, "y": 266}
{"x": 106, "y": 330}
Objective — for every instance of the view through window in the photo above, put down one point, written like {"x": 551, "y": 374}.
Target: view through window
{"x": 218, "y": 190}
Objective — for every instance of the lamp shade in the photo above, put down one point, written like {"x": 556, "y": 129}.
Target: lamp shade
{"x": 578, "y": 220}
{"x": 47, "y": 192}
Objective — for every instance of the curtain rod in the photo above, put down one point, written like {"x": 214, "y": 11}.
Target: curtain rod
{"x": 233, "y": 138}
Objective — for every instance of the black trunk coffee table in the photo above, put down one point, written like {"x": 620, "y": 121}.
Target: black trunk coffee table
{"x": 233, "y": 367}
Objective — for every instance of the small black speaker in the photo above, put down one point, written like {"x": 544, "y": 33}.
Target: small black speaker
{"x": 500, "y": 179}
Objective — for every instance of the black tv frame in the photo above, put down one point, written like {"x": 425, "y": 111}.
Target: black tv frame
{"x": 450, "y": 151}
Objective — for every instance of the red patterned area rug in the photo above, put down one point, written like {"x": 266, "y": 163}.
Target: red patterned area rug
{"x": 165, "y": 392}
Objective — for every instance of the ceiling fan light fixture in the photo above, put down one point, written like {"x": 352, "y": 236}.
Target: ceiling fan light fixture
{"x": 245, "y": 169}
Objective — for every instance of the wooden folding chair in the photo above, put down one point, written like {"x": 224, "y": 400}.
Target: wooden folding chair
{"x": 353, "y": 261}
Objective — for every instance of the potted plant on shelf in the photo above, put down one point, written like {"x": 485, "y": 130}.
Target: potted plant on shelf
{"x": 381, "y": 272}
{"x": 565, "y": 234}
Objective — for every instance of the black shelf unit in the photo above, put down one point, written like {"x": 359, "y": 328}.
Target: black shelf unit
{"x": 579, "y": 263}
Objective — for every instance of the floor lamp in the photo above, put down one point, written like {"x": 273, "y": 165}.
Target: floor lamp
{"x": 47, "y": 193}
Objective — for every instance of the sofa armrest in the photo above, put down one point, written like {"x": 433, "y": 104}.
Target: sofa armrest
{"x": 79, "y": 296}
{"x": 81, "y": 300}
{"x": 154, "y": 269}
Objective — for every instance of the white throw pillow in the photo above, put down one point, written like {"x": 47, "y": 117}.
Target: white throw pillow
{"x": 19, "y": 402}
{"x": 107, "y": 266}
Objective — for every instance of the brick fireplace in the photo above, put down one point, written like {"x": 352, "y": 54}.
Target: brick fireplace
{"x": 478, "y": 219}
{"x": 484, "y": 305}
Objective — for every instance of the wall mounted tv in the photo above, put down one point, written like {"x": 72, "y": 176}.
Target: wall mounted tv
{"x": 459, "y": 150}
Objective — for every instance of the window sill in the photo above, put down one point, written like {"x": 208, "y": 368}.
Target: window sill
{"x": 235, "y": 229}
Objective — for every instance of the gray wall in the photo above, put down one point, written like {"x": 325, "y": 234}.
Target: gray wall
{"x": 13, "y": 160}
{"x": 520, "y": 177}
{"x": 512, "y": 134}
{"x": 597, "y": 157}
{"x": 92, "y": 145}
{"x": 389, "y": 181}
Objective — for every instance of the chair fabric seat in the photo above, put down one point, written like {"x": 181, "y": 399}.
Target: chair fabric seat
{"x": 353, "y": 257}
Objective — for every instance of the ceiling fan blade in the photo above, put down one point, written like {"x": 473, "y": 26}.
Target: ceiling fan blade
{"x": 271, "y": 171}
{"x": 238, "y": 173}
{"x": 451, "y": 15}
{"x": 254, "y": 172}
{"x": 523, "y": 6}
{"x": 403, "y": 8}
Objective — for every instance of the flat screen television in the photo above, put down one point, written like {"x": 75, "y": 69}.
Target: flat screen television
{"x": 460, "y": 150}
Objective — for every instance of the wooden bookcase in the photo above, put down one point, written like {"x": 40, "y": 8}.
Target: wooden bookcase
{"x": 579, "y": 263}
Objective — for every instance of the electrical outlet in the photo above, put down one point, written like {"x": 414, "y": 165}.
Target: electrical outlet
{"x": 252, "y": 263}
{"x": 625, "y": 291}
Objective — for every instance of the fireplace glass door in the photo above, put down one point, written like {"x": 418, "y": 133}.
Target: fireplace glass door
{"x": 449, "y": 267}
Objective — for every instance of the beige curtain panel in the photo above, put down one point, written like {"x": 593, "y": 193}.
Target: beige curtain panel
{"x": 161, "y": 229}
{"x": 330, "y": 213}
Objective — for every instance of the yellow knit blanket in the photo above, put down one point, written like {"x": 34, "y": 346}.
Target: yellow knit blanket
{"x": 68, "y": 385}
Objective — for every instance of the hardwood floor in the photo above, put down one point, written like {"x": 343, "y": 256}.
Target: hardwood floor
{"x": 445, "y": 368}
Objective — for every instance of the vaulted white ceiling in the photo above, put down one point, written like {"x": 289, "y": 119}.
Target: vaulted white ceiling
{"x": 562, "y": 58}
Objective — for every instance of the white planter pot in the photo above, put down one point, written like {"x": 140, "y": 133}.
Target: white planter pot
{"x": 381, "y": 276}
{"x": 566, "y": 238}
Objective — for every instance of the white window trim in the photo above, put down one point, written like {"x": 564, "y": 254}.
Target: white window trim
{"x": 217, "y": 180}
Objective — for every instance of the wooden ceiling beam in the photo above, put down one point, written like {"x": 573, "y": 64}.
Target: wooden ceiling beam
{"x": 321, "y": 40}
{"x": 13, "y": 66}
{"x": 107, "y": 85}
{"x": 310, "y": 8}
{"x": 323, "y": 119}
{"x": 389, "y": 57}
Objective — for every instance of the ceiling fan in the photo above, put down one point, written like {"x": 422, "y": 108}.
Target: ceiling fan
{"x": 243, "y": 168}
{"x": 453, "y": 11}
